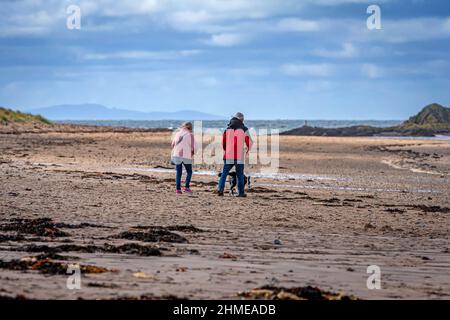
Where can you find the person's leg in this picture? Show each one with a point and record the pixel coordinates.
(188, 167)
(179, 168)
(223, 178)
(240, 178)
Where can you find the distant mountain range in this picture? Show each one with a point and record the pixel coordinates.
(99, 112)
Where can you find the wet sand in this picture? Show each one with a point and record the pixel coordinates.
(338, 206)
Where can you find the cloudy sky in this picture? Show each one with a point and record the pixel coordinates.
(267, 58)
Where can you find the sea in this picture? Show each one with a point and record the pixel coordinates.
(282, 125)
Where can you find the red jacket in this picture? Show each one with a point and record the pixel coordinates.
(235, 139)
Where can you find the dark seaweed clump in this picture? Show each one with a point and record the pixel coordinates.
(296, 293)
(46, 266)
(128, 248)
(43, 227)
(155, 234)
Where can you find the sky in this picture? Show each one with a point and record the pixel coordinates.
(270, 59)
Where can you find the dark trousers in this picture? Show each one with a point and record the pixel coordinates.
(179, 168)
(239, 176)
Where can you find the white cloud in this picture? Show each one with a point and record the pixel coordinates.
(371, 71)
(141, 55)
(314, 70)
(298, 25)
(404, 30)
(226, 39)
(348, 50)
(35, 22)
(198, 15)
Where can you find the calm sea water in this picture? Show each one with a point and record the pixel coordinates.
(282, 125)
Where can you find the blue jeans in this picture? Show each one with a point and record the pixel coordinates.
(179, 168)
(239, 176)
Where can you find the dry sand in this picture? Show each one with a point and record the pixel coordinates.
(353, 202)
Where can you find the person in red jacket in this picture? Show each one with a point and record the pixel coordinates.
(235, 140)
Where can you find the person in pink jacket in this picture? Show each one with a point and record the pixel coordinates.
(183, 149)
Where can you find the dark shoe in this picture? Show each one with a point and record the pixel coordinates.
(242, 195)
(220, 193)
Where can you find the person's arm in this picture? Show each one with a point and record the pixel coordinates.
(173, 144)
(224, 140)
(248, 141)
(176, 138)
(193, 146)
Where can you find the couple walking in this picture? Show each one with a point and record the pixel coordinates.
(236, 143)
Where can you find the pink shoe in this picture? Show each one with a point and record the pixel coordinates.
(188, 191)
(179, 192)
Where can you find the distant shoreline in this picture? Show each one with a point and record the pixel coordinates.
(282, 125)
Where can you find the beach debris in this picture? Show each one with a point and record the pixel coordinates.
(81, 225)
(154, 234)
(261, 190)
(296, 293)
(227, 255)
(185, 228)
(430, 209)
(181, 269)
(189, 228)
(369, 226)
(387, 228)
(128, 248)
(395, 210)
(44, 227)
(13, 297)
(102, 285)
(54, 256)
(163, 167)
(46, 266)
(277, 242)
(143, 275)
(58, 249)
(147, 297)
(132, 248)
(7, 237)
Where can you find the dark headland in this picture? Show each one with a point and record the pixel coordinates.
(433, 120)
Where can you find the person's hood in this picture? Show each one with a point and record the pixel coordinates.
(183, 131)
(236, 123)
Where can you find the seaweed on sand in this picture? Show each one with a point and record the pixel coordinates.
(46, 266)
(128, 248)
(40, 227)
(6, 237)
(188, 228)
(154, 234)
(296, 293)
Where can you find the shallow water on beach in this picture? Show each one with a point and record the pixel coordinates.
(317, 187)
(435, 138)
(293, 177)
(274, 176)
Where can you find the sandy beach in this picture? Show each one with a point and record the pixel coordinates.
(337, 206)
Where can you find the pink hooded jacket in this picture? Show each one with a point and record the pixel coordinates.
(183, 146)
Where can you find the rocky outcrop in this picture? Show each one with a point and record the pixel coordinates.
(432, 120)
